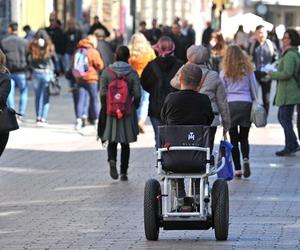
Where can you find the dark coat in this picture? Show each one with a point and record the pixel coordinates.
(181, 46)
(4, 88)
(58, 38)
(187, 107)
(124, 130)
(157, 84)
(99, 25)
(72, 39)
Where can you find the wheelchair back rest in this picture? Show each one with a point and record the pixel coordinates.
(187, 161)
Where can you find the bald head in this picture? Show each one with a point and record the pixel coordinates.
(190, 76)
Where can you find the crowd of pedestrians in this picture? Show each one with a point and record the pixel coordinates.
(151, 64)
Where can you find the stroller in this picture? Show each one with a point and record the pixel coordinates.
(184, 153)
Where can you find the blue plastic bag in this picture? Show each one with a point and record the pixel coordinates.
(227, 171)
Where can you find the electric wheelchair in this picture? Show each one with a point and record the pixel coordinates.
(184, 159)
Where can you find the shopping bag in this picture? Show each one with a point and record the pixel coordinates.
(225, 150)
(258, 115)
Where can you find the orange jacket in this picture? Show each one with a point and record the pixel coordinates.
(140, 62)
(95, 61)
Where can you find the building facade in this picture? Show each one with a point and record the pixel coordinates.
(278, 12)
(31, 12)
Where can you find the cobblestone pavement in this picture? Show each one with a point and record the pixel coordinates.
(56, 192)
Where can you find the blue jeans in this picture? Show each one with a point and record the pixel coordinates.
(92, 90)
(285, 117)
(75, 95)
(18, 80)
(142, 111)
(155, 123)
(67, 58)
(41, 82)
(59, 63)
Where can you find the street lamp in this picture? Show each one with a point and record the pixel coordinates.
(132, 13)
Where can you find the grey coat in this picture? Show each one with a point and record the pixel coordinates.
(123, 130)
(214, 89)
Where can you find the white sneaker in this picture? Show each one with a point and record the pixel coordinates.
(42, 123)
(78, 124)
(95, 124)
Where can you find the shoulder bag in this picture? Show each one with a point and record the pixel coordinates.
(8, 120)
(258, 112)
(54, 87)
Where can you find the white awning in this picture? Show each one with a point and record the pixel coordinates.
(248, 20)
(280, 2)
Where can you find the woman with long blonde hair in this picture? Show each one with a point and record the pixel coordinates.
(141, 53)
(4, 92)
(239, 81)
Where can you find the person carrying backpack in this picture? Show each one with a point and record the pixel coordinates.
(156, 79)
(86, 63)
(120, 94)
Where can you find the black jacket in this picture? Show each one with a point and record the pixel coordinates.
(72, 38)
(99, 25)
(187, 107)
(156, 79)
(14, 47)
(4, 89)
(58, 38)
(181, 46)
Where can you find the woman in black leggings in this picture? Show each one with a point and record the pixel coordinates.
(4, 92)
(239, 135)
(241, 88)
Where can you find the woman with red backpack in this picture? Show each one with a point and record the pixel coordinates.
(120, 106)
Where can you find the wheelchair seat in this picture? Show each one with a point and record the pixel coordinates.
(184, 161)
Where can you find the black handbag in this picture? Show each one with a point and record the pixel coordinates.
(8, 120)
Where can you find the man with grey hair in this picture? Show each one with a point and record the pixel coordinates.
(187, 106)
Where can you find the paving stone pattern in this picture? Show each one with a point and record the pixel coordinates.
(56, 192)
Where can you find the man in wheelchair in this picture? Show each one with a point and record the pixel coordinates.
(187, 107)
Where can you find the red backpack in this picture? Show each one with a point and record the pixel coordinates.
(118, 98)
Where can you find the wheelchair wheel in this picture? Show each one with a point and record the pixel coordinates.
(220, 209)
(151, 209)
